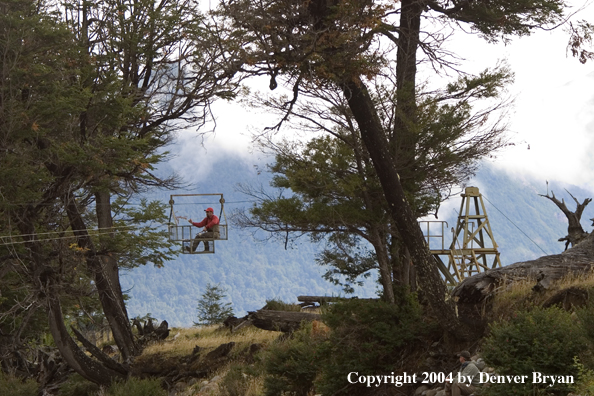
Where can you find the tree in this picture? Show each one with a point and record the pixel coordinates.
(575, 232)
(333, 44)
(335, 190)
(36, 97)
(90, 96)
(580, 40)
(211, 310)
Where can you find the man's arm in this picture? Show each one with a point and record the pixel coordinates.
(201, 224)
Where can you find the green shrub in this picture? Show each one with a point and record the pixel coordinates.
(13, 386)
(292, 365)
(369, 337)
(239, 379)
(76, 385)
(584, 385)
(586, 316)
(278, 305)
(137, 387)
(541, 340)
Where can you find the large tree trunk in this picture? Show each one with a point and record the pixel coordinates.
(104, 266)
(110, 290)
(405, 134)
(404, 137)
(71, 353)
(377, 144)
(474, 293)
(105, 271)
(384, 265)
(376, 237)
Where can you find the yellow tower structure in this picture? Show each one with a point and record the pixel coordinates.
(473, 248)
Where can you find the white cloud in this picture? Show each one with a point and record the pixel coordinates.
(554, 104)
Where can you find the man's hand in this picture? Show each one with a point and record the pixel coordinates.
(190, 221)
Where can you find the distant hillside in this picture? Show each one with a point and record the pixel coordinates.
(252, 271)
(256, 271)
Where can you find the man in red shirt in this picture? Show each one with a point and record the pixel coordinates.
(210, 231)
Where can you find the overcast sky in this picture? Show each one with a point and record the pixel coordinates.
(553, 113)
(554, 105)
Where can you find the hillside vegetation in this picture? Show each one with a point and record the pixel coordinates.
(548, 332)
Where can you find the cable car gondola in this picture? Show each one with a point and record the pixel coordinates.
(185, 207)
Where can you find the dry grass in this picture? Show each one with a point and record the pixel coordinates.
(515, 296)
(248, 385)
(278, 305)
(181, 342)
(585, 281)
(512, 297)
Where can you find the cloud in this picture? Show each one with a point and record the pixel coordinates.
(556, 128)
(553, 120)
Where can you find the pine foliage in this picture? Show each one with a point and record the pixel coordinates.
(211, 309)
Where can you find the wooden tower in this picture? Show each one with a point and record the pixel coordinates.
(473, 249)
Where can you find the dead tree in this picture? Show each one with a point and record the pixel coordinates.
(147, 330)
(575, 232)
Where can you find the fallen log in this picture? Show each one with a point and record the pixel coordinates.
(473, 293)
(285, 321)
(235, 324)
(321, 300)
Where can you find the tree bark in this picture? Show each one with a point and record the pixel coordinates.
(72, 354)
(404, 134)
(384, 265)
(104, 270)
(377, 144)
(110, 292)
(375, 235)
(98, 354)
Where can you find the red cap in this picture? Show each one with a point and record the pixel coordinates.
(209, 210)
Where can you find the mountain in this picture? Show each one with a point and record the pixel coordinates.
(252, 270)
(524, 225)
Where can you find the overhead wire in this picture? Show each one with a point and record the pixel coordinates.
(212, 203)
(128, 227)
(515, 225)
(93, 232)
(9, 239)
(181, 203)
(4, 238)
(68, 230)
